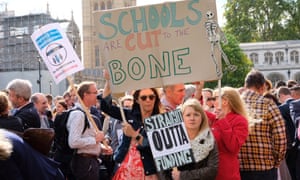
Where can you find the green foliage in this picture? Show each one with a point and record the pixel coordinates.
(259, 20)
(292, 21)
(236, 57)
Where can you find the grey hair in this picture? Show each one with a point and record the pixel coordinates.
(21, 87)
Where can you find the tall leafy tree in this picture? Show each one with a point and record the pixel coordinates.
(256, 20)
(236, 57)
(293, 21)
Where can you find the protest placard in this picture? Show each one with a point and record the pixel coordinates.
(60, 58)
(56, 51)
(156, 45)
(168, 140)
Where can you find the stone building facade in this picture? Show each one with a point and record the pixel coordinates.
(277, 60)
(91, 53)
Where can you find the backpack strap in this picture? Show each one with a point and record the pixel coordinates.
(86, 121)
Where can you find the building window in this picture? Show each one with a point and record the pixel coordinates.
(294, 57)
(279, 57)
(268, 58)
(109, 5)
(95, 6)
(275, 77)
(254, 58)
(297, 77)
(97, 56)
(102, 5)
(127, 3)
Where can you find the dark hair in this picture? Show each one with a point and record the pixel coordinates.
(272, 97)
(291, 83)
(279, 84)
(66, 94)
(283, 90)
(63, 103)
(157, 105)
(254, 79)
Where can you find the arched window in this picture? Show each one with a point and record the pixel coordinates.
(279, 57)
(127, 3)
(109, 4)
(275, 77)
(254, 58)
(102, 5)
(268, 58)
(294, 57)
(297, 77)
(95, 6)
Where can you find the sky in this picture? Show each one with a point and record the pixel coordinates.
(62, 9)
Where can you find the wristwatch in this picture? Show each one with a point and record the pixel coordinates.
(138, 137)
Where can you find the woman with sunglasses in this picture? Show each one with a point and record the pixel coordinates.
(134, 142)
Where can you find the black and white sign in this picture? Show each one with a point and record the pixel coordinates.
(168, 140)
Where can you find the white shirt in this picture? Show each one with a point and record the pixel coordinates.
(83, 142)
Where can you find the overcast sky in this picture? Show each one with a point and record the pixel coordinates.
(63, 8)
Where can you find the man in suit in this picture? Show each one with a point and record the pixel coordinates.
(285, 98)
(41, 105)
(19, 92)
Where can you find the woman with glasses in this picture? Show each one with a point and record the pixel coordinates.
(133, 155)
(230, 131)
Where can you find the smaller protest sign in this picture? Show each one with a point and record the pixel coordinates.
(168, 140)
(56, 51)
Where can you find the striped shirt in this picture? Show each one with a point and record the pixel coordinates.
(266, 144)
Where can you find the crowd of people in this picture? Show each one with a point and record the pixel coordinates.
(248, 133)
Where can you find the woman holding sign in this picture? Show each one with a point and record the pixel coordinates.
(230, 131)
(203, 145)
(133, 154)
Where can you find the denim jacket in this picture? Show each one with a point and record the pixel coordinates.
(134, 118)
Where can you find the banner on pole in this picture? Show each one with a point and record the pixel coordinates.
(156, 45)
(56, 51)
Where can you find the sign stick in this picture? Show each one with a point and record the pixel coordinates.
(220, 91)
(87, 112)
(122, 113)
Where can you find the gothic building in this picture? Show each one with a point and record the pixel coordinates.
(91, 53)
(18, 56)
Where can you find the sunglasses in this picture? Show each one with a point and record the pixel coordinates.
(151, 97)
(211, 99)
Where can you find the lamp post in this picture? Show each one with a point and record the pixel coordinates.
(287, 53)
(39, 81)
(50, 88)
(289, 74)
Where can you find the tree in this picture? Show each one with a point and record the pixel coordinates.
(292, 22)
(236, 57)
(257, 20)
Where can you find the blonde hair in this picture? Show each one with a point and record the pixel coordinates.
(5, 146)
(235, 101)
(195, 104)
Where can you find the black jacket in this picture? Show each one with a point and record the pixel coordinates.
(29, 116)
(135, 119)
(11, 123)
